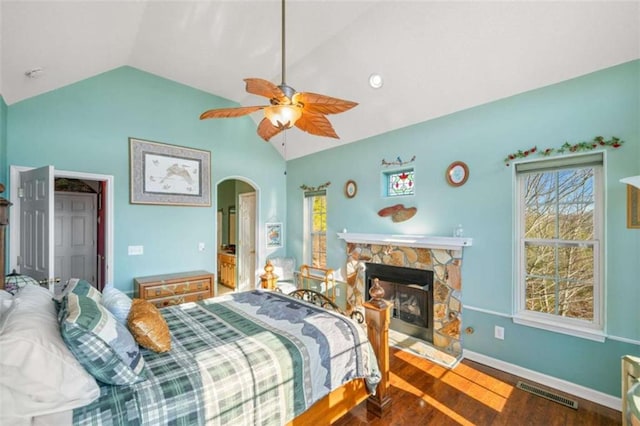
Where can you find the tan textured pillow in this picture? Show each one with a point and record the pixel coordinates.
(148, 326)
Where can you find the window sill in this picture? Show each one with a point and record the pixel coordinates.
(571, 330)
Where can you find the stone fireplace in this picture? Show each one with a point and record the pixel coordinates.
(440, 255)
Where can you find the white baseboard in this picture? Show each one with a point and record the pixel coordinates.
(601, 398)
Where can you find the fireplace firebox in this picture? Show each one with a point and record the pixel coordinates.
(411, 293)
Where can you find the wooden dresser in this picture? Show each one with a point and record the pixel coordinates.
(227, 269)
(173, 289)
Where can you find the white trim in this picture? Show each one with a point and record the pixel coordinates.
(486, 311)
(623, 339)
(406, 240)
(572, 330)
(14, 231)
(510, 316)
(261, 254)
(592, 330)
(583, 392)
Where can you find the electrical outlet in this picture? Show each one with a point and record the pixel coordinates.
(200, 246)
(337, 291)
(499, 332)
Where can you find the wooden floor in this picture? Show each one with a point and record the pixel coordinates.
(425, 393)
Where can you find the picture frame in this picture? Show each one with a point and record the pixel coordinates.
(633, 207)
(457, 173)
(165, 174)
(273, 234)
(350, 189)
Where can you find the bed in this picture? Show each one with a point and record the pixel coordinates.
(257, 357)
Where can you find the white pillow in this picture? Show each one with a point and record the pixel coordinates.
(116, 302)
(36, 367)
(6, 303)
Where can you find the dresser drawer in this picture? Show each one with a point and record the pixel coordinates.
(173, 289)
(178, 299)
(166, 290)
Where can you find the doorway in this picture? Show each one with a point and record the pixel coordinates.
(236, 235)
(64, 226)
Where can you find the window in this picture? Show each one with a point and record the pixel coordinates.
(559, 229)
(399, 183)
(315, 248)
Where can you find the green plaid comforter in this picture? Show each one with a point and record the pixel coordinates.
(251, 358)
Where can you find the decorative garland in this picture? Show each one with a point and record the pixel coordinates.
(597, 142)
(398, 162)
(313, 188)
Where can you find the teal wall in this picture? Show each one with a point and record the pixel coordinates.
(85, 127)
(3, 142)
(603, 103)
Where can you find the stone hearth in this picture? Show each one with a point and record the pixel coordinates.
(441, 255)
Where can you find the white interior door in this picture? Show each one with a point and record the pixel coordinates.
(246, 253)
(36, 223)
(75, 236)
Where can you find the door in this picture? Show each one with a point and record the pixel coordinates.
(246, 253)
(36, 224)
(75, 236)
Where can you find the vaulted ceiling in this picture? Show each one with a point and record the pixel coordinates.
(436, 57)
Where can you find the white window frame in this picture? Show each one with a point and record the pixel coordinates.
(595, 329)
(307, 249)
(386, 178)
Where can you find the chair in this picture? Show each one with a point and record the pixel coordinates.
(630, 390)
(318, 279)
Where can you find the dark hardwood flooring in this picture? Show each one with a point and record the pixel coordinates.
(425, 393)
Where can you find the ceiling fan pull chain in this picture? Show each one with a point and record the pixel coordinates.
(282, 34)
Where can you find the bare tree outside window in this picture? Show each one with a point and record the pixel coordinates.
(559, 242)
(318, 230)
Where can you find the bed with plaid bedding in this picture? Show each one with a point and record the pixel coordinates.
(251, 358)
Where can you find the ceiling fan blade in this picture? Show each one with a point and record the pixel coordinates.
(316, 124)
(266, 130)
(229, 112)
(322, 104)
(260, 87)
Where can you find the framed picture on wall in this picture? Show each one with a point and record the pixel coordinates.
(274, 235)
(169, 174)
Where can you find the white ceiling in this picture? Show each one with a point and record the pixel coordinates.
(436, 57)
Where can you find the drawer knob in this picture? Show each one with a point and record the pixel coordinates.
(158, 291)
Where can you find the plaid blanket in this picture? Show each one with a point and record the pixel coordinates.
(251, 358)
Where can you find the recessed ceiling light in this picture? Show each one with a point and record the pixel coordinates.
(34, 73)
(375, 81)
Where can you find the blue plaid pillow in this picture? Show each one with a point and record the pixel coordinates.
(103, 346)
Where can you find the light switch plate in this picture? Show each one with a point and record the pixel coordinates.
(135, 250)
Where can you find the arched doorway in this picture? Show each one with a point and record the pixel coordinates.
(236, 235)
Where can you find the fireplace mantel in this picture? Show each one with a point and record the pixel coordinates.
(422, 241)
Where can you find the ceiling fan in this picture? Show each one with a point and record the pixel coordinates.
(307, 111)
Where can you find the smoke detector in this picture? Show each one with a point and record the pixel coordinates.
(34, 72)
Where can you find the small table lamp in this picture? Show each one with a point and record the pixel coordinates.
(15, 281)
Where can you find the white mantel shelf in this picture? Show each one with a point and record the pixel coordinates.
(423, 241)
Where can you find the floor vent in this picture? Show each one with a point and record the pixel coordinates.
(548, 395)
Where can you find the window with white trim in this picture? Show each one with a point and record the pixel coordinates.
(399, 183)
(559, 227)
(315, 226)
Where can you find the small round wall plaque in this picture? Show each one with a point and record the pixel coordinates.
(457, 173)
(350, 189)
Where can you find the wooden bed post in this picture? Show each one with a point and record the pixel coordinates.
(377, 317)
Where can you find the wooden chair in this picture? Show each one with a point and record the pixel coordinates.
(630, 376)
(318, 279)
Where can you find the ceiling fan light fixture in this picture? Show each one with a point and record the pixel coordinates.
(283, 116)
